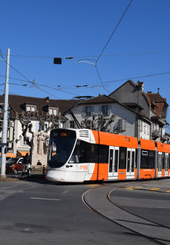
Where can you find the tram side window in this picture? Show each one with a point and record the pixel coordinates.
(116, 161)
(81, 153)
(85, 152)
(159, 162)
(94, 153)
(147, 159)
(133, 161)
(163, 160)
(122, 158)
(151, 159)
(166, 162)
(103, 153)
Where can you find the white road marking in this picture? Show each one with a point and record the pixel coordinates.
(65, 192)
(45, 199)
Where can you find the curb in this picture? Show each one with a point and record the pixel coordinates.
(9, 179)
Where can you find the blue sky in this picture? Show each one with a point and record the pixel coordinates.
(35, 31)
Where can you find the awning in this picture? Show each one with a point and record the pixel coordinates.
(22, 153)
(9, 154)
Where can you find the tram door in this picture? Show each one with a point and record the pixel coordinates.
(166, 163)
(113, 162)
(130, 163)
(160, 158)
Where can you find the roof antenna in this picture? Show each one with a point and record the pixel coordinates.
(158, 90)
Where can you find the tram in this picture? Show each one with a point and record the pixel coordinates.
(79, 155)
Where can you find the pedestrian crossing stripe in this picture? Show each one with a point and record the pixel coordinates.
(154, 189)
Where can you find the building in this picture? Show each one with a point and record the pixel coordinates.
(28, 116)
(107, 114)
(127, 111)
(150, 105)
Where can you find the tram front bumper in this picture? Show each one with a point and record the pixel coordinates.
(55, 176)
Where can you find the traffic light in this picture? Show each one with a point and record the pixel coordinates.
(57, 61)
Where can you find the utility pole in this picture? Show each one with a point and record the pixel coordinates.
(5, 121)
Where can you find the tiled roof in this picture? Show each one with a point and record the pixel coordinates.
(156, 102)
(151, 98)
(101, 99)
(16, 101)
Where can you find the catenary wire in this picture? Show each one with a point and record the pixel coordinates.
(90, 85)
(85, 56)
(108, 42)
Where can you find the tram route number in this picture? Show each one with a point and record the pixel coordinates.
(83, 167)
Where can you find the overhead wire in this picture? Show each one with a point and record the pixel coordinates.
(85, 56)
(39, 85)
(27, 80)
(90, 85)
(108, 42)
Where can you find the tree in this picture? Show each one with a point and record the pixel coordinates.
(97, 122)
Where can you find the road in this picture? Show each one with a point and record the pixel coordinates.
(39, 212)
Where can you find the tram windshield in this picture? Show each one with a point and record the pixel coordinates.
(60, 147)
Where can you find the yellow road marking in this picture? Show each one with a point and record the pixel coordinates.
(93, 185)
(129, 188)
(154, 189)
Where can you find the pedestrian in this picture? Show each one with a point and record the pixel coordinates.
(39, 163)
(26, 163)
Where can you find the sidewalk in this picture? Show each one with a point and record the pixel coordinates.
(36, 174)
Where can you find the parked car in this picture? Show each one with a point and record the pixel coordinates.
(14, 165)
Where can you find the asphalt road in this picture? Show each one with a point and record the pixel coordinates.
(38, 212)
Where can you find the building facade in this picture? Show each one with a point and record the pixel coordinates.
(127, 111)
(106, 114)
(150, 105)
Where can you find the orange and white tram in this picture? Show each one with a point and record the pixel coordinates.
(163, 160)
(78, 155)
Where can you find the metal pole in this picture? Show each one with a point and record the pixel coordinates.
(5, 121)
(138, 160)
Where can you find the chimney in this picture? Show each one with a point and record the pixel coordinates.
(140, 85)
(47, 100)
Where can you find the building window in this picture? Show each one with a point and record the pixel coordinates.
(88, 110)
(140, 126)
(105, 110)
(22, 142)
(1, 108)
(55, 112)
(28, 108)
(71, 124)
(37, 127)
(145, 128)
(32, 108)
(50, 111)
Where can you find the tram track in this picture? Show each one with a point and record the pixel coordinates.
(139, 216)
(119, 220)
